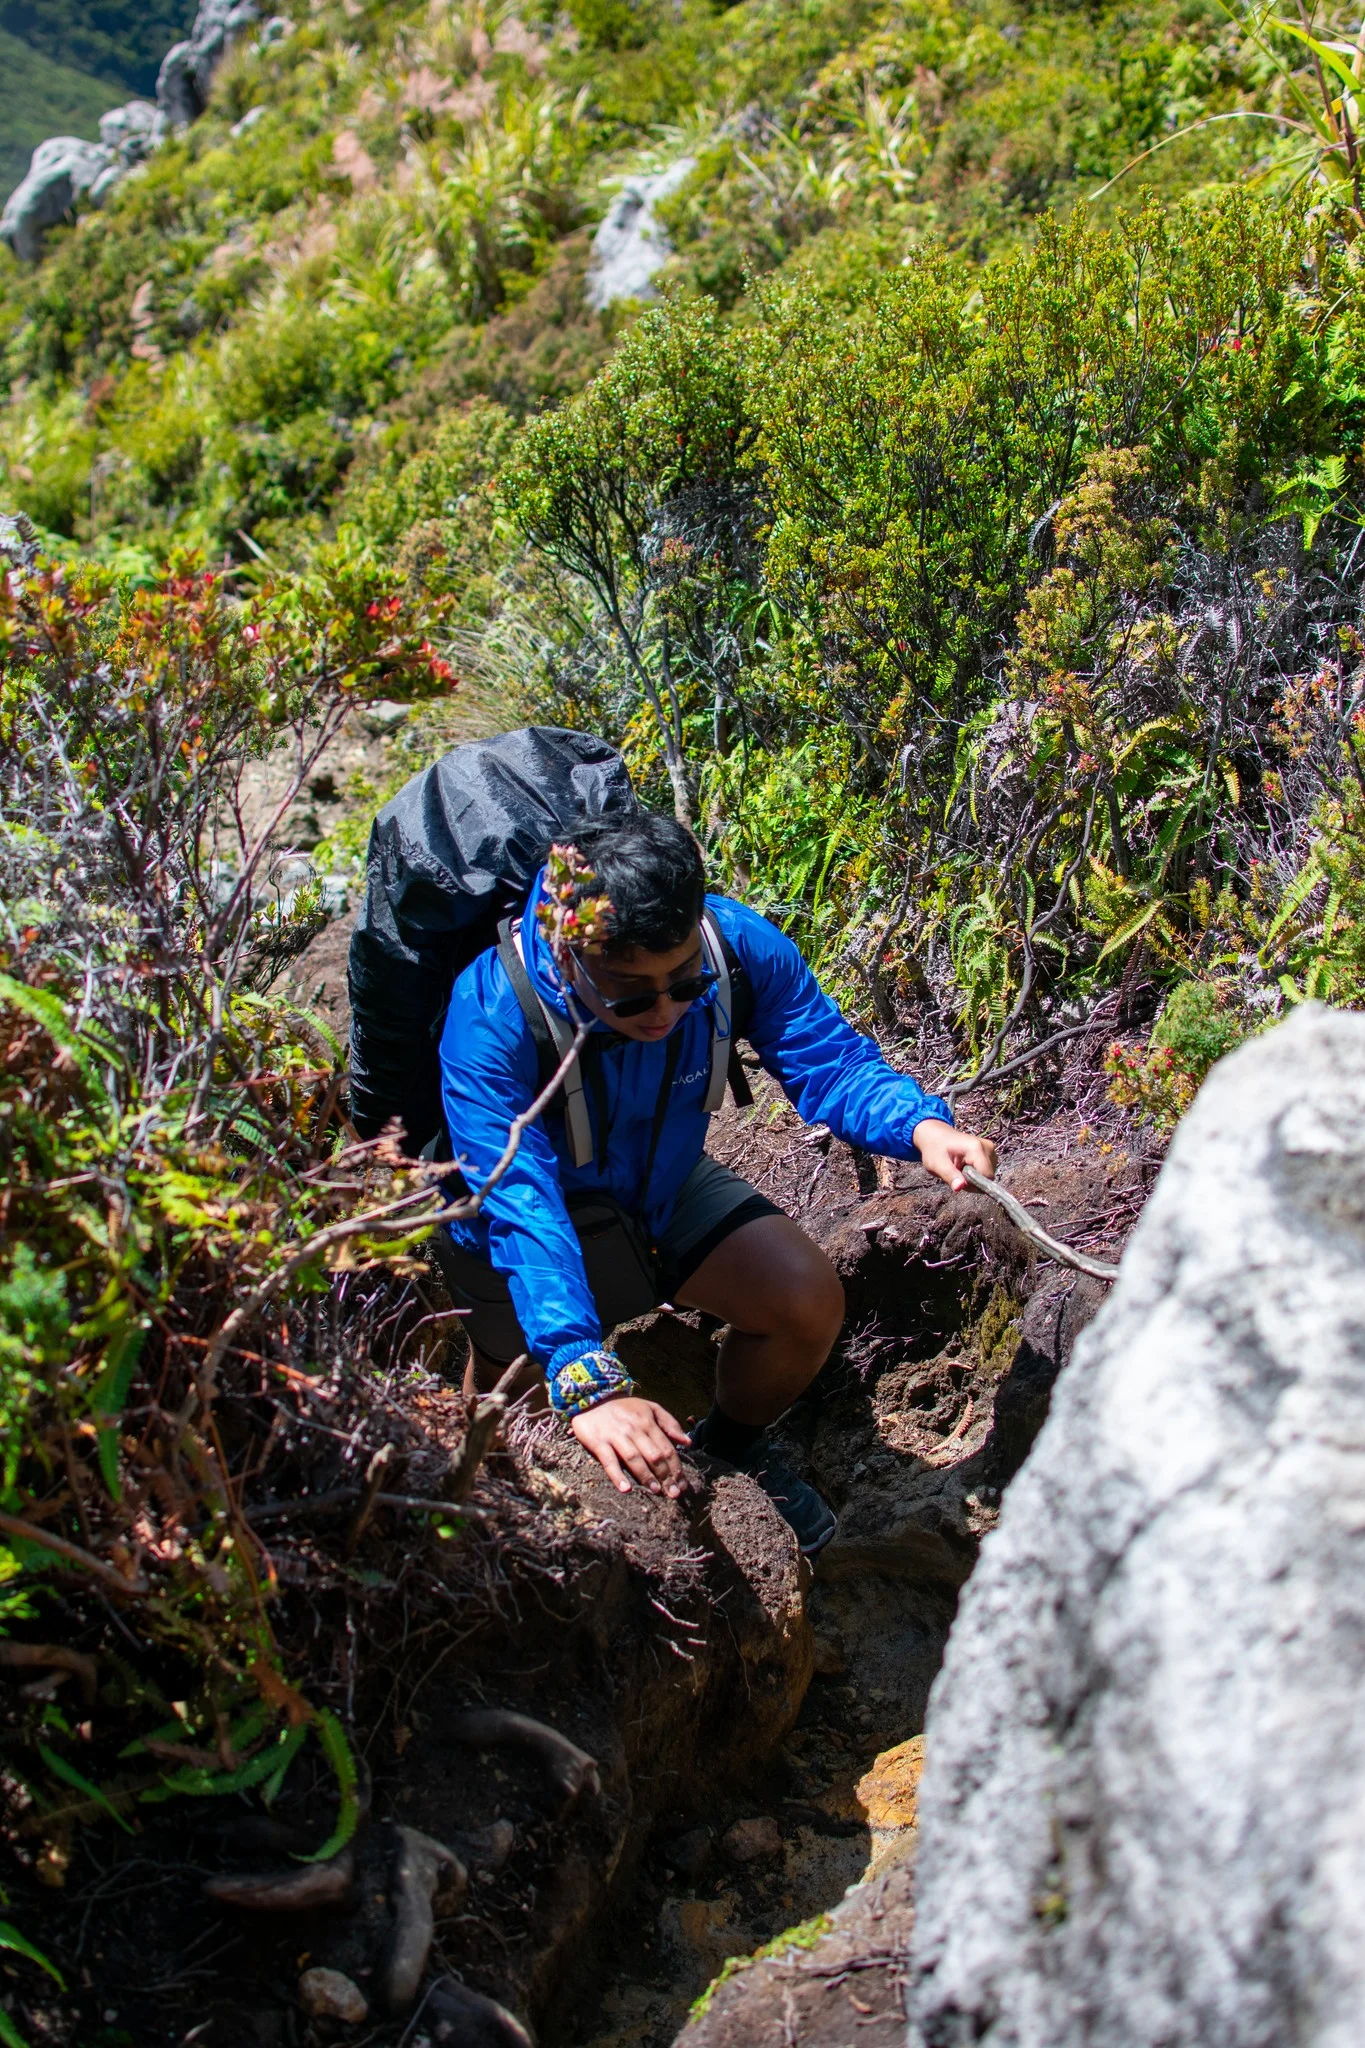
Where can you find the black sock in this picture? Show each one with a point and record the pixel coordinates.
(722, 1437)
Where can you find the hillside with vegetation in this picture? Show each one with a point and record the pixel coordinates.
(63, 63)
(39, 96)
(968, 544)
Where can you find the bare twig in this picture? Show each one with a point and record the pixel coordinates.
(112, 1580)
(483, 1428)
(322, 1504)
(957, 1089)
(1034, 1231)
(375, 1476)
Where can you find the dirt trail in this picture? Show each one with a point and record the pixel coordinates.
(756, 1732)
(955, 1333)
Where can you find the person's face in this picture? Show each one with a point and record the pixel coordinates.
(600, 979)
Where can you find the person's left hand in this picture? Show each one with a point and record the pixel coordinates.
(945, 1152)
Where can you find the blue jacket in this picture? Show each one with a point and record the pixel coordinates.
(830, 1073)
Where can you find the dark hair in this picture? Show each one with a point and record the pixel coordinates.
(652, 870)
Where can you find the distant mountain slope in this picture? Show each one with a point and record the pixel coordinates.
(119, 40)
(39, 98)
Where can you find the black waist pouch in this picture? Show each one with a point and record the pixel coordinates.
(623, 1268)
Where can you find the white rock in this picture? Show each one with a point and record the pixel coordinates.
(1142, 1818)
(63, 169)
(133, 130)
(186, 75)
(177, 89)
(630, 246)
(384, 717)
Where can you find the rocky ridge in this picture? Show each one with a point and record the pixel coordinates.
(66, 169)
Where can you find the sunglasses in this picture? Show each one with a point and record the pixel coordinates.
(689, 990)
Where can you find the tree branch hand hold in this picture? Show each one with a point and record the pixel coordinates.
(1052, 1247)
(483, 1428)
(52, 1657)
(112, 1581)
(570, 1770)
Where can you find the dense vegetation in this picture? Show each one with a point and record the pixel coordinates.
(975, 562)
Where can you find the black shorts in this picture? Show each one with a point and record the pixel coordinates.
(628, 1275)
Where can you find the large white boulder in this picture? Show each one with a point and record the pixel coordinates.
(133, 131)
(63, 169)
(186, 75)
(631, 247)
(1142, 1819)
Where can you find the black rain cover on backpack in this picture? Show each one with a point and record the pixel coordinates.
(453, 853)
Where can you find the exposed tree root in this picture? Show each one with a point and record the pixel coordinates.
(570, 1769)
(421, 1866)
(287, 1891)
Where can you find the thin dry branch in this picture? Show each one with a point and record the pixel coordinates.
(391, 1216)
(483, 1428)
(112, 1580)
(1034, 1231)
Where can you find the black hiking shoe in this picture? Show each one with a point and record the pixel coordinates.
(806, 1513)
(804, 1510)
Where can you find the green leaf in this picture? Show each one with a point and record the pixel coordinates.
(1326, 53)
(69, 1775)
(1302, 887)
(10, 1937)
(1129, 930)
(339, 1755)
(287, 1751)
(47, 1010)
(110, 1393)
(9, 2033)
(191, 1782)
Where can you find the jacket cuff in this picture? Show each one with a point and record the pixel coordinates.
(933, 1108)
(578, 1379)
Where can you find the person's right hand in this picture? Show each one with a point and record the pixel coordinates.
(635, 1436)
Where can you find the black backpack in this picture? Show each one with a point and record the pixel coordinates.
(450, 860)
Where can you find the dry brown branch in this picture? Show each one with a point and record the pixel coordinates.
(483, 1427)
(1034, 1231)
(113, 1581)
(52, 1657)
(375, 1476)
(394, 1216)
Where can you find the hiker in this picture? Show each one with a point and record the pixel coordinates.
(611, 1205)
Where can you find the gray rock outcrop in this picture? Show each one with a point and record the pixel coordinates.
(132, 131)
(631, 247)
(63, 170)
(1142, 1819)
(186, 75)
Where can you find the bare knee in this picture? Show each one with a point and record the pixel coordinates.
(812, 1311)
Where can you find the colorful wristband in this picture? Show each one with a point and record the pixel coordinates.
(582, 1382)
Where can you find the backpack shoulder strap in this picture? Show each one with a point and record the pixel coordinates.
(731, 1013)
(552, 1036)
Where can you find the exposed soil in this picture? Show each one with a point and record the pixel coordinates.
(955, 1333)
